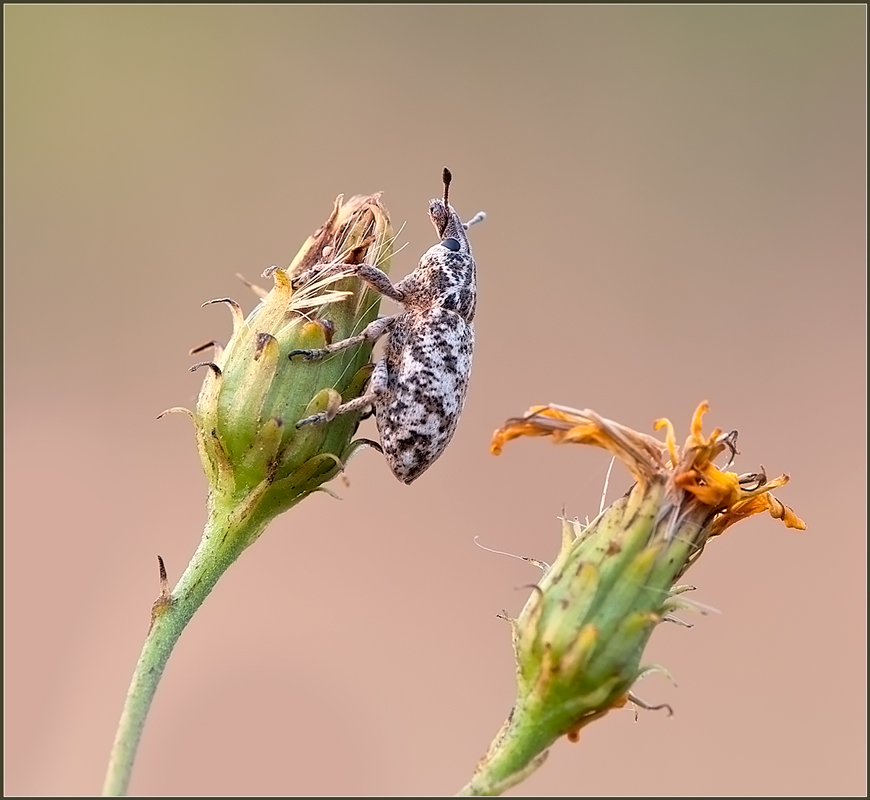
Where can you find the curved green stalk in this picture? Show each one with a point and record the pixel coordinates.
(225, 536)
(516, 752)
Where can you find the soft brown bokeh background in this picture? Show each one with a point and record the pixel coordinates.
(676, 201)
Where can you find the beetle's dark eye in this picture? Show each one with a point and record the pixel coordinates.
(451, 244)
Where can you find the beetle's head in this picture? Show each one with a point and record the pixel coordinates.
(447, 222)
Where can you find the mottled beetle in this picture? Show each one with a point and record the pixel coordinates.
(418, 388)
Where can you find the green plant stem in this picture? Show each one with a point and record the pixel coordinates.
(227, 533)
(516, 752)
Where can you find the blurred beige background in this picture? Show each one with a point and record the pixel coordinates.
(676, 201)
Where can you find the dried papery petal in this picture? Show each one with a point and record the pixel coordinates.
(691, 469)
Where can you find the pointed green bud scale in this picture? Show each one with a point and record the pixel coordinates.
(309, 440)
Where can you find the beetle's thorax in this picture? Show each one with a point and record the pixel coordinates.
(443, 279)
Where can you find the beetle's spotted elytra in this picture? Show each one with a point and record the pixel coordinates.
(417, 389)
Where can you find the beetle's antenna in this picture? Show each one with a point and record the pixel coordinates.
(480, 216)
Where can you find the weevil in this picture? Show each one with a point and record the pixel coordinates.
(417, 389)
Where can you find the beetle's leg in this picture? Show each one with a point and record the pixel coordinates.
(374, 277)
(345, 408)
(371, 333)
(318, 271)
(380, 282)
(377, 383)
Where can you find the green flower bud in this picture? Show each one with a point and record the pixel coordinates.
(255, 459)
(580, 637)
(257, 462)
